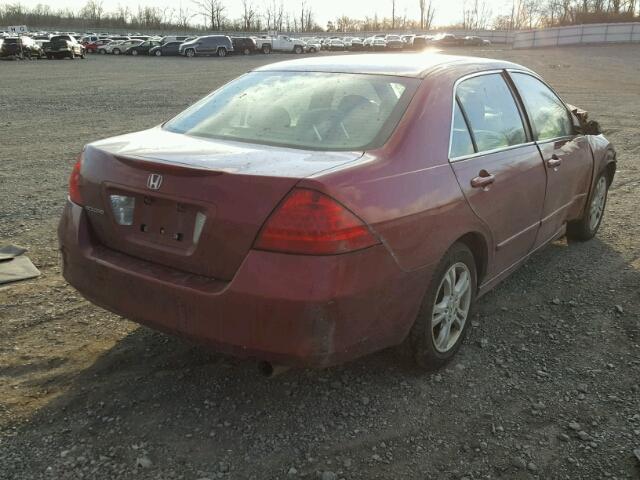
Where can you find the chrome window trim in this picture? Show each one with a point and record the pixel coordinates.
(537, 77)
(488, 152)
(453, 107)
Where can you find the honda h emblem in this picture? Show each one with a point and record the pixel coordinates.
(154, 181)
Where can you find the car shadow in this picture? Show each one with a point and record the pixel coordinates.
(190, 410)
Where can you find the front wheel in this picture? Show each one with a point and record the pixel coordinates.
(298, 49)
(190, 53)
(102, 51)
(134, 52)
(158, 53)
(247, 51)
(266, 49)
(441, 324)
(586, 227)
(116, 51)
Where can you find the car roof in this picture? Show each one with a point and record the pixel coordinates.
(416, 65)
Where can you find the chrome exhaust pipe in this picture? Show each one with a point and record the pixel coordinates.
(270, 370)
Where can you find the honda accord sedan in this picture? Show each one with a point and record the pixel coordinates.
(314, 211)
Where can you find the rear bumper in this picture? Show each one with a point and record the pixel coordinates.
(289, 309)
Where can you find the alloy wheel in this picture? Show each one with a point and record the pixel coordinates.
(597, 203)
(451, 307)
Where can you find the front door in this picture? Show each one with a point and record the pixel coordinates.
(499, 169)
(567, 157)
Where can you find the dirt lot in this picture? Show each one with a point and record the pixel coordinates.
(547, 385)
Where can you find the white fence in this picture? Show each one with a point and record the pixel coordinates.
(579, 34)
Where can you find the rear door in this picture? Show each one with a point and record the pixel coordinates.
(497, 165)
(567, 157)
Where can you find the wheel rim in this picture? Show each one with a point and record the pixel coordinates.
(135, 52)
(189, 53)
(451, 307)
(597, 204)
(158, 53)
(222, 52)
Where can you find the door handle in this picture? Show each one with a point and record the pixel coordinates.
(483, 180)
(554, 161)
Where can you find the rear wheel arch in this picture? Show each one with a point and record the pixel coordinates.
(476, 242)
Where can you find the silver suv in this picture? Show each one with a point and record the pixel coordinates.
(219, 45)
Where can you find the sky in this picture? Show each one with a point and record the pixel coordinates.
(447, 11)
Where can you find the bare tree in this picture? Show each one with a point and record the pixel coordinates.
(427, 12)
(248, 14)
(212, 11)
(393, 14)
(182, 17)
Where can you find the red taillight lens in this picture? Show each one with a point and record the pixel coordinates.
(311, 223)
(74, 182)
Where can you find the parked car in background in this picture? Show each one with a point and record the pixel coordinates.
(166, 49)
(356, 44)
(336, 44)
(41, 39)
(142, 48)
(120, 48)
(244, 45)
(378, 43)
(272, 228)
(20, 48)
(280, 43)
(63, 46)
(107, 48)
(474, 41)
(92, 47)
(394, 42)
(420, 42)
(219, 45)
(446, 40)
(119, 38)
(312, 45)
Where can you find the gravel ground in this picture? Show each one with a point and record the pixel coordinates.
(547, 385)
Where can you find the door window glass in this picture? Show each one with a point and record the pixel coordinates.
(493, 116)
(548, 115)
(461, 143)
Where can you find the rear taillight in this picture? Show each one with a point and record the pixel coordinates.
(74, 182)
(311, 223)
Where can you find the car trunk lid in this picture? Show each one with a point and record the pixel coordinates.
(199, 203)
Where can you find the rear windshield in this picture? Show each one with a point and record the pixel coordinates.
(309, 110)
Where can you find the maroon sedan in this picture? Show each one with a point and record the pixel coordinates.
(316, 210)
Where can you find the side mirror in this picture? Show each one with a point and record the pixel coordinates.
(584, 126)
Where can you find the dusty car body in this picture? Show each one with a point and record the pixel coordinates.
(327, 248)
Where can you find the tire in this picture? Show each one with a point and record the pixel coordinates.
(116, 51)
(312, 50)
(72, 55)
(102, 51)
(83, 55)
(586, 227)
(222, 52)
(158, 53)
(298, 49)
(49, 57)
(134, 52)
(266, 49)
(190, 52)
(434, 344)
(246, 51)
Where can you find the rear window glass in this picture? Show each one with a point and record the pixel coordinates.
(310, 110)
